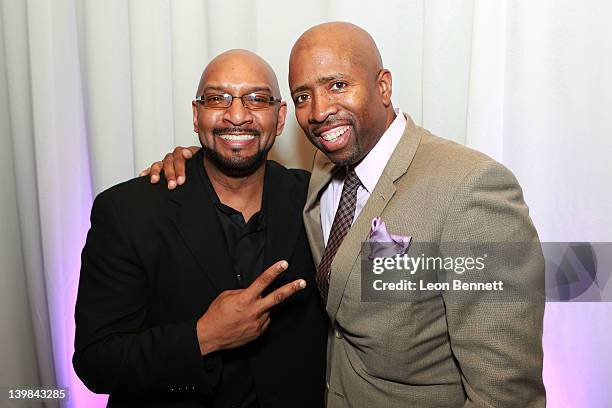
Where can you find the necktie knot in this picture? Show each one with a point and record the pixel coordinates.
(351, 182)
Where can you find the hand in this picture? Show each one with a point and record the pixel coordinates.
(237, 317)
(173, 165)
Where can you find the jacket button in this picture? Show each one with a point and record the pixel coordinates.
(338, 333)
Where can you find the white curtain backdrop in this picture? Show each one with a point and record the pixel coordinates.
(92, 91)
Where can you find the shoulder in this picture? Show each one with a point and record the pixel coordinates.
(290, 176)
(133, 197)
(140, 190)
(302, 176)
(139, 186)
(453, 162)
(450, 153)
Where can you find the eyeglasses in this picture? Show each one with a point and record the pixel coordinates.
(252, 101)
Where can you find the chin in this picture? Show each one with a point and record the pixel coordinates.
(237, 165)
(340, 158)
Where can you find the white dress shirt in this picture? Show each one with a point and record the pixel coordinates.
(368, 171)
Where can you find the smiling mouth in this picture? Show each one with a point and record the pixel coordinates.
(335, 133)
(236, 137)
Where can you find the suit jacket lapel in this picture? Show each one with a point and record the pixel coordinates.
(194, 215)
(322, 172)
(283, 206)
(383, 192)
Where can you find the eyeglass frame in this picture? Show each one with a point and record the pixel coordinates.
(271, 101)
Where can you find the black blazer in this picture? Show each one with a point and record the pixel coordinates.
(153, 262)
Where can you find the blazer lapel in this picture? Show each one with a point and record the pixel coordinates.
(195, 217)
(383, 192)
(283, 214)
(322, 173)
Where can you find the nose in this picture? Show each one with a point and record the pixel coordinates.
(237, 114)
(322, 106)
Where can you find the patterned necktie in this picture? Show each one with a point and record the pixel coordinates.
(340, 227)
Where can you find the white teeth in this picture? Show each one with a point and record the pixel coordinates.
(333, 134)
(237, 137)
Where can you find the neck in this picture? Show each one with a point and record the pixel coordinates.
(389, 118)
(243, 193)
(391, 115)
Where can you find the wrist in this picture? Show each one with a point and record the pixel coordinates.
(205, 341)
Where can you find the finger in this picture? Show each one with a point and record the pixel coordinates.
(179, 164)
(265, 279)
(265, 324)
(261, 320)
(154, 171)
(188, 152)
(168, 164)
(192, 150)
(281, 294)
(144, 172)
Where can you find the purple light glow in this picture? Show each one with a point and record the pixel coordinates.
(577, 358)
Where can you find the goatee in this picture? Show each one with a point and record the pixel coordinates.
(236, 166)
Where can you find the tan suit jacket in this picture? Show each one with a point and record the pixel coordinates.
(446, 351)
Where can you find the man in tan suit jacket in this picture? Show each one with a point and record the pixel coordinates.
(448, 349)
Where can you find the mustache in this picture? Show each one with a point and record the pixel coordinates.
(220, 131)
(331, 122)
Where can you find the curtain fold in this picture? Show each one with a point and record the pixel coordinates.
(21, 242)
(104, 39)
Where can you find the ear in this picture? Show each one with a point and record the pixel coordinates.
(385, 85)
(282, 114)
(194, 108)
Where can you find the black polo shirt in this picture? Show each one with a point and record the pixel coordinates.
(245, 243)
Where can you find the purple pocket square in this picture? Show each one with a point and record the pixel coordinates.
(385, 245)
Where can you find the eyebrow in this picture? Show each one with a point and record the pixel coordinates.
(322, 80)
(221, 88)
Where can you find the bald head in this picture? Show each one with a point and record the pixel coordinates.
(237, 135)
(236, 65)
(345, 40)
(341, 91)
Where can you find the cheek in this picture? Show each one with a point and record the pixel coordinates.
(360, 105)
(206, 123)
(266, 122)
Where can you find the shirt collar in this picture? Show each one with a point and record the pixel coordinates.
(372, 166)
(257, 218)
